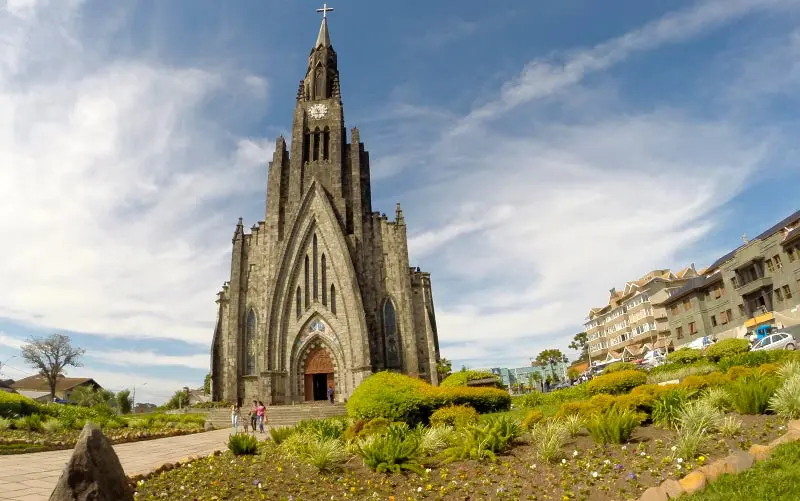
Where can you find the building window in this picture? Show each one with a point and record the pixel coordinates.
(392, 345)
(778, 294)
(298, 301)
(787, 292)
(777, 260)
(250, 343)
(315, 146)
(306, 147)
(315, 294)
(679, 332)
(713, 321)
(333, 299)
(687, 304)
(324, 280)
(307, 284)
(692, 328)
(728, 316)
(326, 140)
(792, 256)
(770, 266)
(741, 310)
(735, 282)
(674, 309)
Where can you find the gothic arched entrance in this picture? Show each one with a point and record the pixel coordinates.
(318, 374)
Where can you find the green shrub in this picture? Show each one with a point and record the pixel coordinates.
(619, 366)
(325, 454)
(402, 398)
(689, 442)
(461, 378)
(241, 444)
(457, 416)
(5, 423)
(536, 399)
(684, 356)
(323, 428)
(617, 382)
(573, 424)
(757, 358)
(751, 394)
(391, 452)
(531, 419)
(730, 426)
(14, 405)
(789, 369)
(727, 348)
(52, 426)
(435, 439)
(529, 400)
(613, 426)
(666, 408)
(701, 415)
(485, 441)
(786, 400)
(548, 438)
(280, 433)
(374, 426)
(719, 398)
(702, 382)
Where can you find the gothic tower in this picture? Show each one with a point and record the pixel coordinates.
(321, 294)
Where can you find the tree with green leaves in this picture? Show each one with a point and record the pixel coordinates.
(124, 401)
(86, 396)
(573, 373)
(553, 354)
(179, 400)
(581, 343)
(207, 384)
(538, 378)
(50, 355)
(444, 367)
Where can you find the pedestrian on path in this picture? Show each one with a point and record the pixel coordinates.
(261, 412)
(330, 393)
(235, 417)
(254, 415)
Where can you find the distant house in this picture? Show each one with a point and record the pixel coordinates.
(488, 382)
(36, 387)
(144, 407)
(197, 396)
(5, 385)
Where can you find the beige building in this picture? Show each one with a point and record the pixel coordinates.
(755, 285)
(321, 293)
(634, 321)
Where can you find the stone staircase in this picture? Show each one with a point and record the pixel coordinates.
(282, 415)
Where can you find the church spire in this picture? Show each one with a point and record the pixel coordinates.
(324, 39)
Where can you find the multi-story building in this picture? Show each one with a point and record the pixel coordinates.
(755, 285)
(521, 375)
(634, 321)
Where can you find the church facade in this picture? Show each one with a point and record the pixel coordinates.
(321, 293)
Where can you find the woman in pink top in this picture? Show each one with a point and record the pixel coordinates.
(261, 414)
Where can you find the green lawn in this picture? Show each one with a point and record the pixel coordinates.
(776, 479)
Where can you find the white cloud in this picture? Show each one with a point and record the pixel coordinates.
(112, 182)
(150, 359)
(9, 341)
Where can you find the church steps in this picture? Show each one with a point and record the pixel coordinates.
(282, 415)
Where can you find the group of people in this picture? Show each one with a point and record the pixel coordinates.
(256, 417)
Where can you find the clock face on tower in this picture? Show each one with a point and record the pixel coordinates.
(317, 111)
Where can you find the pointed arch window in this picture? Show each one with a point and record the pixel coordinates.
(306, 146)
(316, 270)
(324, 267)
(319, 83)
(250, 343)
(308, 285)
(298, 301)
(333, 299)
(326, 143)
(392, 344)
(316, 145)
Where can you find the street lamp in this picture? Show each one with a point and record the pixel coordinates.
(133, 399)
(6, 363)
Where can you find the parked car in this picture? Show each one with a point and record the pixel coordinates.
(776, 341)
(653, 359)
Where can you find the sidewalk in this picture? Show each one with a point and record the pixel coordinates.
(32, 477)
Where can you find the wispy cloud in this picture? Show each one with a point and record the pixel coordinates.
(150, 359)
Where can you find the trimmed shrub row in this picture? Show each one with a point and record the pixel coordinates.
(398, 397)
(461, 378)
(14, 404)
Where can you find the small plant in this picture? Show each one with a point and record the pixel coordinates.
(457, 416)
(52, 426)
(617, 382)
(701, 415)
(789, 369)
(5, 423)
(325, 454)
(485, 441)
(29, 423)
(719, 398)
(619, 366)
(391, 452)
(241, 444)
(786, 400)
(730, 426)
(613, 426)
(323, 428)
(435, 439)
(280, 433)
(751, 394)
(684, 356)
(531, 419)
(573, 424)
(667, 408)
(690, 440)
(548, 439)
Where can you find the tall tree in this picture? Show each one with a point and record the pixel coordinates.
(50, 355)
(580, 342)
(124, 401)
(444, 367)
(207, 384)
(553, 354)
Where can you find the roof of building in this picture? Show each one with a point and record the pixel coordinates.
(694, 284)
(38, 383)
(617, 297)
(34, 395)
(766, 234)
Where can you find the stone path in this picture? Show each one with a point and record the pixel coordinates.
(32, 477)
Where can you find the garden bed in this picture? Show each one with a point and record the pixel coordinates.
(587, 472)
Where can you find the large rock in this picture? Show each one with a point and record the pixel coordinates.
(93, 473)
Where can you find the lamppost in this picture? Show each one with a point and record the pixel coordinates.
(133, 399)
(6, 363)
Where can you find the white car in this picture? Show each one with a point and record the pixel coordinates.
(777, 341)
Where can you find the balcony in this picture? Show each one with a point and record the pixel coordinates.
(754, 286)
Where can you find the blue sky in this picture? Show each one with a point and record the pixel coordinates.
(543, 152)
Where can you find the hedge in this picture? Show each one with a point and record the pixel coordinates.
(535, 399)
(457, 416)
(619, 366)
(15, 405)
(727, 348)
(684, 356)
(398, 397)
(617, 382)
(461, 378)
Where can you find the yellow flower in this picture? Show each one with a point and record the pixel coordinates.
(428, 487)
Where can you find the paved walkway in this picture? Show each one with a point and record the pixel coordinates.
(32, 477)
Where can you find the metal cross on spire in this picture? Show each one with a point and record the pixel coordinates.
(325, 9)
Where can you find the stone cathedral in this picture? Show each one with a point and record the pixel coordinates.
(321, 293)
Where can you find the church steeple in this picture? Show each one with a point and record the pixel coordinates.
(322, 75)
(323, 39)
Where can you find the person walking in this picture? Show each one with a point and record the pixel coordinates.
(330, 393)
(261, 412)
(235, 418)
(254, 416)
